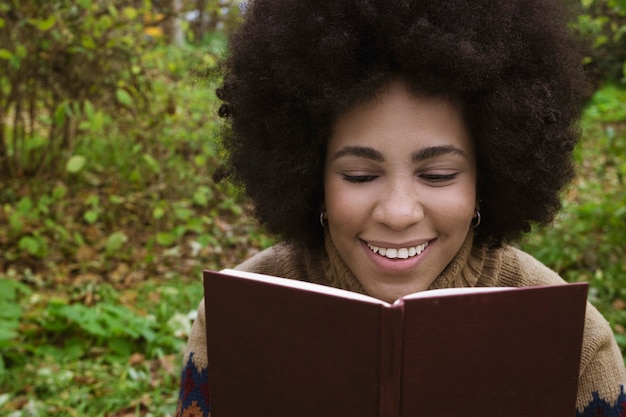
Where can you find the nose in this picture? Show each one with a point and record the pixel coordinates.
(400, 206)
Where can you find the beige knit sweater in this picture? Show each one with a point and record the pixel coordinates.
(602, 376)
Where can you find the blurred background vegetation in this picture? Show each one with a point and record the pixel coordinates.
(108, 140)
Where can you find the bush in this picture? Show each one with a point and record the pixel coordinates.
(604, 21)
(65, 65)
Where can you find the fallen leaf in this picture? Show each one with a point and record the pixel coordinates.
(119, 273)
(136, 359)
(619, 304)
(85, 253)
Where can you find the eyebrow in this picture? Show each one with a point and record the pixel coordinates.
(434, 151)
(417, 156)
(361, 152)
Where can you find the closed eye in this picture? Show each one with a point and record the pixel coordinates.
(359, 178)
(437, 178)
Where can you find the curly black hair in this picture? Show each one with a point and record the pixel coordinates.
(293, 66)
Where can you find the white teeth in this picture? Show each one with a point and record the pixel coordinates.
(402, 253)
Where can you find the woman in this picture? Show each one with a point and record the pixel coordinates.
(400, 146)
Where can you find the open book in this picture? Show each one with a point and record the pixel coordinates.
(286, 348)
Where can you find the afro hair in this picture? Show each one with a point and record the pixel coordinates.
(293, 66)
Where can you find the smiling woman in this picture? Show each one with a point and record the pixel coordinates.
(399, 178)
(425, 136)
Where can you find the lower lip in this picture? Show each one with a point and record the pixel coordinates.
(396, 265)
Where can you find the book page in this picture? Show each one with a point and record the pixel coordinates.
(304, 285)
(440, 292)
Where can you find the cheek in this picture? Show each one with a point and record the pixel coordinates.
(345, 206)
(455, 206)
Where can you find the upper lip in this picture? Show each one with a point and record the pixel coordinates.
(396, 245)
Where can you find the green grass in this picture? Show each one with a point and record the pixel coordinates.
(118, 352)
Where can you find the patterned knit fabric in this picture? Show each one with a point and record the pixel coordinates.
(602, 376)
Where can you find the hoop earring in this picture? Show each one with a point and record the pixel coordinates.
(322, 219)
(476, 220)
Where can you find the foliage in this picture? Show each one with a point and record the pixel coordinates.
(210, 16)
(10, 315)
(604, 21)
(192, 21)
(587, 241)
(67, 66)
(103, 263)
(111, 356)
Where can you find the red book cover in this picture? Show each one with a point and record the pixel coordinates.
(286, 348)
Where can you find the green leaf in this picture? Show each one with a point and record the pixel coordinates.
(200, 160)
(33, 245)
(7, 289)
(104, 23)
(25, 205)
(116, 199)
(10, 310)
(60, 114)
(202, 196)
(7, 334)
(166, 239)
(91, 216)
(158, 213)
(21, 51)
(45, 25)
(183, 213)
(115, 242)
(88, 109)
(75, 164)
(112, 11)
(120, 346)
(130, 13)
(88, 42)
(59, 192)
(124, 97)
(152, 163)
(6, 54)
(16, 222)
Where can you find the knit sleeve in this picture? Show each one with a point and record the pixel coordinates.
(193, 395)
(602, 378)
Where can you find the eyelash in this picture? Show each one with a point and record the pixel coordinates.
(359, 179)
(439, 177)
(433, 178)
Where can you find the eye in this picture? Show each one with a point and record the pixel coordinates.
(439, 178)
(358, 179)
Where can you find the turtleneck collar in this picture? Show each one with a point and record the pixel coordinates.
(463, 271)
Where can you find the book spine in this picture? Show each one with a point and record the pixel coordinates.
(392, 325)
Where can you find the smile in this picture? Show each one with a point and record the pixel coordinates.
(401, 253)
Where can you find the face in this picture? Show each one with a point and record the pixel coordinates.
(400, 189)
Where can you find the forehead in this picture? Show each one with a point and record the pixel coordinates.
(397, 118)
